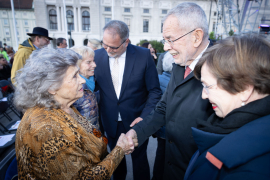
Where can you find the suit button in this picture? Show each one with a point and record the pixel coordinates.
(169, 163)
(116, 120)
(118, 104)
(170, 141)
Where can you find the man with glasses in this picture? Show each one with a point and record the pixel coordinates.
(39, 38)
(185, 33)
(129, 89)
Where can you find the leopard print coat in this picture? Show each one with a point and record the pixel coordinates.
(51, 144)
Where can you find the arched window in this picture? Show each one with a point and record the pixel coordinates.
(70, 19)
(86, 21)
(85, 42)
(71, 42)
(53, 19)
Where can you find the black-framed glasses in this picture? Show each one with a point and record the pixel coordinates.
(170, 42)
(114, 48)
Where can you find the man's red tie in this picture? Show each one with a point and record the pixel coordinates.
(187, 72)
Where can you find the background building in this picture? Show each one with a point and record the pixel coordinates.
(143, 17)
(24, 19)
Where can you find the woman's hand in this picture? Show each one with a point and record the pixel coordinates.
(126, 145)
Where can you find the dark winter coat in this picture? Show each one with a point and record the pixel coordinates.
(179, 108)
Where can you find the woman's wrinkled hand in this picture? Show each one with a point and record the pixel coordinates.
(125, 144)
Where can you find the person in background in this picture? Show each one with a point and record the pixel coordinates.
(39, 38)
(152, 51)
(87, 105)
(61, 43)
(160, 63)
(234, 141)
(6, 47)
(10, 56)
(164, 79)
(5, 72)
(181, 105)
(94, 44)
(53, 140)
(4, 53)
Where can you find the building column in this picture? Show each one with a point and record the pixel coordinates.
(58, 18)
(62, 19)
(75, 19)
(80, 19)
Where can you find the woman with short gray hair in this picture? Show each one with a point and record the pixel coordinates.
(53, 140)
(87, 105)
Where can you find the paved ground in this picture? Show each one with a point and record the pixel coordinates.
(151, 150)
(151, 154)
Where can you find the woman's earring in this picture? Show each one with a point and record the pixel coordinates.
(243, 103)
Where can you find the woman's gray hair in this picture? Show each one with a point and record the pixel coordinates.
(168, 60)
(118, 27)
(43, 71)
(190, 16)
(95, 43)
(83, 51)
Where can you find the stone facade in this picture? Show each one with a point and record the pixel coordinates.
(135, 13)
(25, 22)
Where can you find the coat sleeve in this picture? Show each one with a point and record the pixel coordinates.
(60, 155)
(152, 85)
(18, 63)
(153, 122)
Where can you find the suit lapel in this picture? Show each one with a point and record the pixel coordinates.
(130, 59)
(179, 75)
(107, 72)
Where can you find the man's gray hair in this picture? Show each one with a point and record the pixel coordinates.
(190, 16)
(168, 60)
(117, 27)
(43, 71)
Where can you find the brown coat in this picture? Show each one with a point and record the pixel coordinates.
(50, 144)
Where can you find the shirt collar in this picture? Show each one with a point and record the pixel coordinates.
(193, 64)
(123, 56)
(36, 47)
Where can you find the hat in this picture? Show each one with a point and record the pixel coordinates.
(39, 31)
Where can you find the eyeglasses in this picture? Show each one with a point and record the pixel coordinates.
(46, 39)
(114, 48)
(206, 88)
(170, 42)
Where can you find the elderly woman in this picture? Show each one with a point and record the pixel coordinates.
(53, 140)
(234, 142)
(87, 105)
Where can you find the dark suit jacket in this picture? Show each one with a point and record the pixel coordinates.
(140, 89)
(179, 108)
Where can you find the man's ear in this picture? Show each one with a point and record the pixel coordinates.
(197, 37)
(127, 42)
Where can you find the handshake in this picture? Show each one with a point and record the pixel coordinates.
(128, 141)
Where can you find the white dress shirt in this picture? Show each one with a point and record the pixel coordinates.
(121, 62)
(193, 64)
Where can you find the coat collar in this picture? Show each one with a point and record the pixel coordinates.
(238, 147)
(178, 75)
(130, 59)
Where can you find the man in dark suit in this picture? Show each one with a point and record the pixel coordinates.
(129, 89)
(181, 105)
